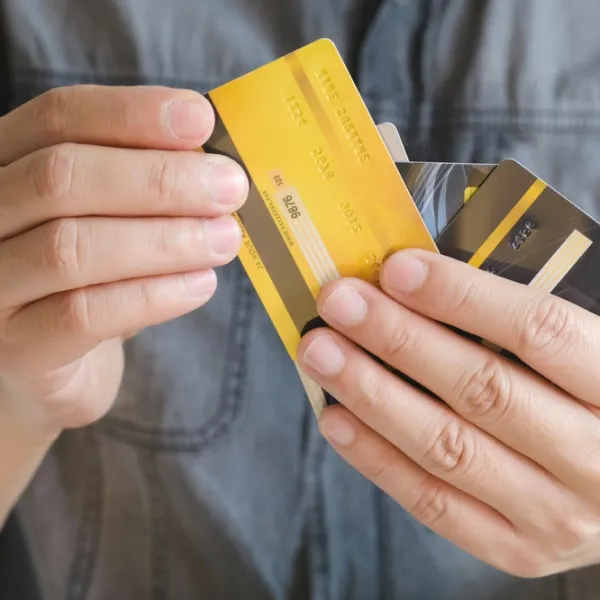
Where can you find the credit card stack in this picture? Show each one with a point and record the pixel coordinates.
(333, 195)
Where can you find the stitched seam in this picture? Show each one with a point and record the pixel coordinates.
(40, 76)
(88, 536)
(428, 107)
(159, 537)
(386, 587)
(538, 120)
(401, 105)
(505, 121)
(193, 441)
(317, 534)
(562, 586)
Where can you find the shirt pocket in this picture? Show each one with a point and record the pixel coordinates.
(184, 381)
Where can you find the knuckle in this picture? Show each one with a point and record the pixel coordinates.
(451, 449)
(398, 345)
(54, 110)
(174, 237)
(485, 393)
(164, 239)
(432, 505)
(63, 249)
(163, 178)
(52, 174)
(378, 466)
(573, 531)
(548, 327)
(75, 314)
(372, 396)
(144, 299)
(463, 297)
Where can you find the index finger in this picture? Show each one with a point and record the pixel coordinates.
(554, 337)
(133, 117)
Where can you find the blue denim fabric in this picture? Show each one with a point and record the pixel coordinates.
(209, 479)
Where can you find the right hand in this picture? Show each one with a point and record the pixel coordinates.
(109, 223)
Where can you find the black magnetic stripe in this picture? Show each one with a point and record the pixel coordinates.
(482, 214)
(264, 233)
(555, 219)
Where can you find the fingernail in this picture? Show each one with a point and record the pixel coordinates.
(226, 182)
(345, 306)
(324, 356)
(223, 236)
(337, 429)
(403, 273)
(187, 119)
(200, 284)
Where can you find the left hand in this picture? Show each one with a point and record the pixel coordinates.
(508, 465)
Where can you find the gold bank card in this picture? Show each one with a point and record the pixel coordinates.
(326, 199)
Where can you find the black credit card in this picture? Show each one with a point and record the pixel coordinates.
(440, 190)
(518, 227)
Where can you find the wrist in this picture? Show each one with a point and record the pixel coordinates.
(26, 436)
(20, 416)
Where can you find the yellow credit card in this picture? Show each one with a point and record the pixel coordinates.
(326, 199)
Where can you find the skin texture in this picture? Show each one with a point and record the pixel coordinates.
(110, 222)
(507, 465)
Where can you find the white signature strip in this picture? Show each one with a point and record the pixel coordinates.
(311, 244)
(561, 262)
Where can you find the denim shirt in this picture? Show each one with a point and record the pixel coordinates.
(209, 479)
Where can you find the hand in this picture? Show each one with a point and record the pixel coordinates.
(508, 465)
(109, 223)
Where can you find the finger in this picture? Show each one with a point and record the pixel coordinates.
(62, 328)
(72, 253)
(556, 338)
(132, 117)
(465, 521)
(71, 181)
(510, 402)
(429, 433)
